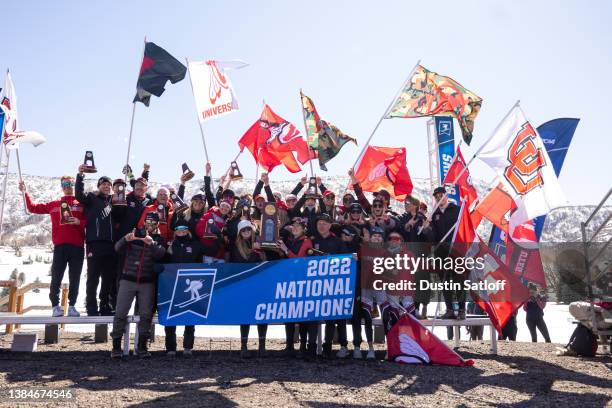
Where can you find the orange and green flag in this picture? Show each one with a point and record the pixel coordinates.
(429, 94)
(324, 139)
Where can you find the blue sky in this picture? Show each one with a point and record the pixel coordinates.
(75, 65)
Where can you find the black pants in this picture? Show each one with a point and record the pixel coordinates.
(262, 329)
(537, 321)
(330, 330)
(509, 330)
(101, 268)
(188, 337)
(358, 314)
(308, 334)
(72, 256)
(460, 294)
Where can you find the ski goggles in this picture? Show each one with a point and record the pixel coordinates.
(181, 228)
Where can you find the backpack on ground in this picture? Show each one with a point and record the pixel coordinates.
(583, 342)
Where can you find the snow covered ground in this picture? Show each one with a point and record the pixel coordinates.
(556, 315)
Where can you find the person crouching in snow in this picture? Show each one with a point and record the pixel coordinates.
(142, 249)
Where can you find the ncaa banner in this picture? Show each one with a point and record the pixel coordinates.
(212, 88)
(289, 290)
(446, 151)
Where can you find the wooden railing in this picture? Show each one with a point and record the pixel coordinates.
(16, 296)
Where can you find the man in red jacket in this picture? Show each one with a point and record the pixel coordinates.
(68, 236)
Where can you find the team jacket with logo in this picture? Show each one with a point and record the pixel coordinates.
(61, 234)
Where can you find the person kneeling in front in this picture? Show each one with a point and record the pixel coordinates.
(142, 248)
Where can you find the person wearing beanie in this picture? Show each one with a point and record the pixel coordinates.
(325, 241)
(68, 239)
(210, 230)
(184, 249)
(246, 250)
(100, 239)
(138, 278)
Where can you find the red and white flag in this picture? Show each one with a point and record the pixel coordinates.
(516, 152)
(410, 342)
(212, 88)
(273, 141)
(12, 136)
(459, 174)
(384, 167)
(496, 206)
(504, 293)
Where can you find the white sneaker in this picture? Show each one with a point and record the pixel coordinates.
(342, 353)
(58, 311)
(371, 355)
(357, 354)
(72, 312)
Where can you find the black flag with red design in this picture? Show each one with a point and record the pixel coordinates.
(157, 67)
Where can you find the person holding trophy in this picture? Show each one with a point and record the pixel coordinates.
(68, 236)
(164, 209)
(99, 234)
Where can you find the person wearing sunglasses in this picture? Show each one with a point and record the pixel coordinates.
(379, 216)
(142, 248)
(68, 237)
(247, 250)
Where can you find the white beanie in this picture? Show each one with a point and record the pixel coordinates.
(244, 224)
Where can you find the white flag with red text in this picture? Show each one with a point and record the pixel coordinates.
(516, 152)
(212, 88)
(12, 136)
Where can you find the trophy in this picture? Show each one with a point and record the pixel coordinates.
(268, 233)
(178, 203)
(161, 210)
(88, 163)
(314, 252)
(65, 214)
(119, 193)
(127, 170)
(208, 231)
(235, 173)
(187, 173)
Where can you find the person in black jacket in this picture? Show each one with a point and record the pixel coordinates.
(246, 251)
(442, 224)
(99, 236)
(328, 243)
(142, 249)
(184, 249)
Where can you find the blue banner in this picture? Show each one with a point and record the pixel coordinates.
(1, 125)
(446, 151)
(289, 290)
(557, 135)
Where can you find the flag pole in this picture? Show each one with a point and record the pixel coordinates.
(306, 130)
(25, 207)
(199, 123)
(129, 149)
(437, 203)
(397, 94)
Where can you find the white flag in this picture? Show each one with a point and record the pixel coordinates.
(516, 152)
(212, 88)
(12, 136)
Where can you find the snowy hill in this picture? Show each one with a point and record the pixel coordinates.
(562, 225)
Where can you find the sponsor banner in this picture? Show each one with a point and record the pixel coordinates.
(289, 290)
(212, 90)
(446, 151)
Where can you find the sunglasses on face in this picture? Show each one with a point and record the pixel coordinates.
(377, 206)
(67, 184)
(330, 197)
(395, 239)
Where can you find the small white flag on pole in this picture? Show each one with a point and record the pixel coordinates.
(212, 89)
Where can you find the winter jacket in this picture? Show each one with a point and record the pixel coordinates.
(535, 306)
(185, 250)
(164, 229)
(127, 217)
(298, 248)
(212, 246)
(99, 214)
(62, 233)
(236, 256)
(441, 223)
(140, 258)
(329, 245)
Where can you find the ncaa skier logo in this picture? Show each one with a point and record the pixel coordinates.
(444, 128)
(192, 293)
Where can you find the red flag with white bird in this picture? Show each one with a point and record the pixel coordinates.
(273, 141)
(410, 342)
(384, 168)
(503, 293)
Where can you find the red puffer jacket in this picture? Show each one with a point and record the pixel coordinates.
(62, 233)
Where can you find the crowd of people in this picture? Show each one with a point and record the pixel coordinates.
(125, 243)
